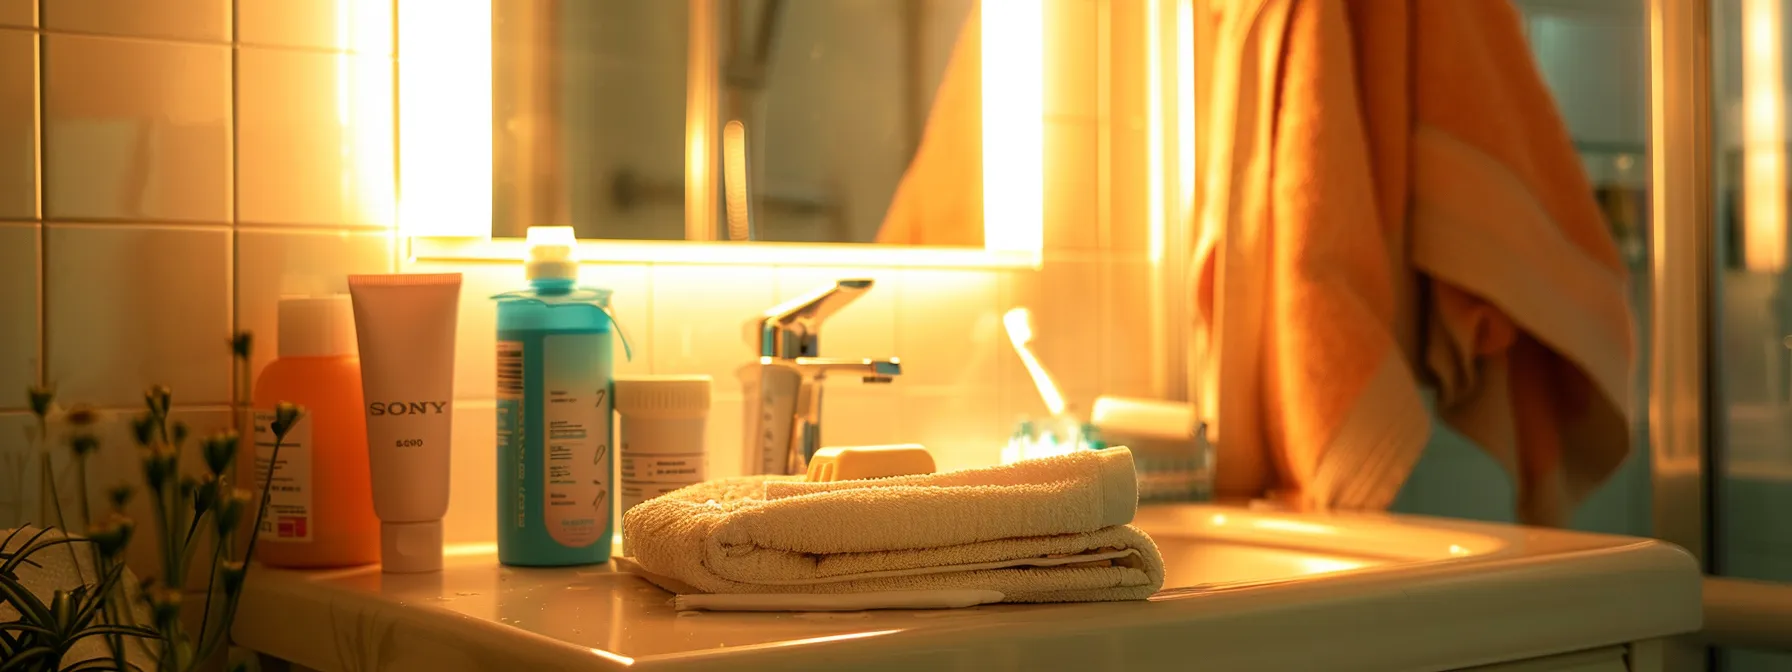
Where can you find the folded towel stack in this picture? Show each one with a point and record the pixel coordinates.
(1047, 530)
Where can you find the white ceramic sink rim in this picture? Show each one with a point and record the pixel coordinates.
(1456, 586)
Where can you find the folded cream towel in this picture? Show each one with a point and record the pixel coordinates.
(1048, 530)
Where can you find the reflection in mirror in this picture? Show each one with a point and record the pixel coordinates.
(841, 121)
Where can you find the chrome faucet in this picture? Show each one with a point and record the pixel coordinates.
(785, 383)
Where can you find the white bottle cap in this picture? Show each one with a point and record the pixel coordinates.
(411, 548)
(317, 326)
(662, 395)
(552, 253)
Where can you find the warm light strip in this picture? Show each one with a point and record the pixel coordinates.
(445, 117)
(1155, 207)
(1763, 138)
(1185, 127)
(1013, 125)
(724, 253)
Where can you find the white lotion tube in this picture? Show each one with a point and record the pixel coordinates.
(405, 326)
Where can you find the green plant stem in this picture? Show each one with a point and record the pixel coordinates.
(260, 511)
(115, 642)
(86, 509)
(205, 617)
(169, 575)
(43, 441)
(231, 601)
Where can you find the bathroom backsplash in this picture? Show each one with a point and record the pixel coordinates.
(166, 196)
(167, 170)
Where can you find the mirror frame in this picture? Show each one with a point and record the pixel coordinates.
(445, 149)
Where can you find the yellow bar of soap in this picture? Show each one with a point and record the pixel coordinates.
(849, 463)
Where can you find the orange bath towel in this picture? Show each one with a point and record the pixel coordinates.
(1391, 201)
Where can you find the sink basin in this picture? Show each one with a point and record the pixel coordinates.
(1206, 546)
(1355, 592)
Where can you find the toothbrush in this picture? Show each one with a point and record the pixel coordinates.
(1018, 322)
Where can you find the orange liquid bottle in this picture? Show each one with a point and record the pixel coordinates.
(320, 508)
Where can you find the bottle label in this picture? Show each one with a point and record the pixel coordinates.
(511, 465)
(289, 494)
(576, 437)
(648, 473)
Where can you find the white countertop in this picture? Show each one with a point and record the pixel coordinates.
(1366, 592)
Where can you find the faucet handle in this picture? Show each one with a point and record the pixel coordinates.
(793, 328)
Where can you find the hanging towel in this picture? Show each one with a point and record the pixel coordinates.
(1391, 200)
(1047, 530)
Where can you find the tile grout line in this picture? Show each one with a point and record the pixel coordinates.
(38, 46)
(399, 252)
(228, 43)
(231, 263)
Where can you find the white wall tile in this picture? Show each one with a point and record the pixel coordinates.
(314, 138)
(18, 124)
(631, 301)
(1070, 57)
(725, 442)
(860, 414)
(472, 475)
(1126, 222)
(699, 317)
(961, 428)
(1072, 221)
(202, 20)
(132, 306)
(18, 313)
(274, 263)
(1127, 357)
(948, 329)
(18, 471)
(864, 328)
(363, 26)
(475, 342)
(21, 13)
(136, 129)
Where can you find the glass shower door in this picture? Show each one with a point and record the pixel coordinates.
(1750, 459)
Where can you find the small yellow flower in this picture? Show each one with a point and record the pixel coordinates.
(83, 444)
(160, 465)
(206, 494)
(120, 495)
(164, 606)
(220, 451)
(143, 428)
(158, 398)
(41, 396)
(240, 344)
(82, 415)
(111, 535)
(286, 414)
(230, 511)
(232, 573)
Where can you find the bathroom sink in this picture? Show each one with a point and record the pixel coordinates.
(1207, 546)
(1245, 590)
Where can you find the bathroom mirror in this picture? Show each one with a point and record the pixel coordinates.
(810, 121)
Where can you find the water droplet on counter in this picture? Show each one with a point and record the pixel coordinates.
(578, 586)
(442, 598)
(465, 593)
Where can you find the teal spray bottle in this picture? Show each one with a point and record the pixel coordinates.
(555, 444)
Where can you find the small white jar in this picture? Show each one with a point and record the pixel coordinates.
(660, 446)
